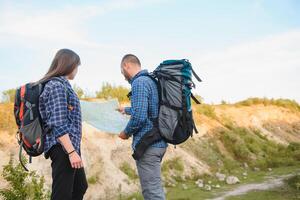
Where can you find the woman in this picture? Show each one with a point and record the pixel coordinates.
(60, 111)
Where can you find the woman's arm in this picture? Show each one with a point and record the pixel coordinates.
(57, 107)
(74, 158)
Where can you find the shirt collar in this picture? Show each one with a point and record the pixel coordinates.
(64, 79)
(140, 73)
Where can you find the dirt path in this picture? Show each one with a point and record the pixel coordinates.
(243, 189)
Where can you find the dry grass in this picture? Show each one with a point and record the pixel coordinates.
(7, 119)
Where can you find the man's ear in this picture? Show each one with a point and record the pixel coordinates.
(126, 66)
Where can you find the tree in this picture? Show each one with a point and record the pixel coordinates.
(109, 91)
(79, 91)
(9, 95)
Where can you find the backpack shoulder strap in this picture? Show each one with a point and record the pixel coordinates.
(150, 75)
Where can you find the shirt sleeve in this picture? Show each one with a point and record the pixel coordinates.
(128, 110)
(139, 107)
(57, 107)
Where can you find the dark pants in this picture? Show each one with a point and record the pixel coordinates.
(68, 183)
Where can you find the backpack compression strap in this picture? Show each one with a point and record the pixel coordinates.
(21, 116)
(196, 76)
(21, 113)
(195, 99)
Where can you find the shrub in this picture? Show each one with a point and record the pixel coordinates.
(248, 146)
(109, 91)
(206, 110)
(286, 103)
(22, 184)
(173, 164)
(294, 182)
(126, 168)
(7, 120)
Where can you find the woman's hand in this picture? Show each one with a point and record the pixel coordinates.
(75, 160)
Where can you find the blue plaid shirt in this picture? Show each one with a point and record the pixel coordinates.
(57, 116)
(144, 107)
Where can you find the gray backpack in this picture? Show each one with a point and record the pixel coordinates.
(175, 120)
(31, 128)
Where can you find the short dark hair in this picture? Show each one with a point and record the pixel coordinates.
(130, 58)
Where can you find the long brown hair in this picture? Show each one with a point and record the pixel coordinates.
(64, 62)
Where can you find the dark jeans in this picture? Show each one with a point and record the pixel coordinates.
(68, 183)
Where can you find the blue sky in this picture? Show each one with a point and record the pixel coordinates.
(239, 48)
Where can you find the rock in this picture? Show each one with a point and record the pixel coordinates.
(170, 181)
(246, 165)
(217, 186)
(207, 187)
(200, 185)
(230, 180)
(199, 181)
(209, 182)
(245, 174)
(269, 169)
(220, 163)
(165, 190)
(220, 177)
(184, 186)
(256, 169)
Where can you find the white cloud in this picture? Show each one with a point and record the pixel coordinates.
(60, 25)
(44, 30)
(268, 67)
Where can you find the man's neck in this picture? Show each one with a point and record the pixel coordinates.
(135, 73)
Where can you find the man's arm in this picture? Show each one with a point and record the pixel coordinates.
(139, 107)
(127, 110)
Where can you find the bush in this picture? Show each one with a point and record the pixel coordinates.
(125, 167)
(109, 91)
(206, 110)
(92, 180)
(249, 146)
(22, 184)
(173, 164)
(286, 103)
(7, 119)
(294, 182)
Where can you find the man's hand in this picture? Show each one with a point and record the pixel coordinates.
(123, 136)
(121, 110)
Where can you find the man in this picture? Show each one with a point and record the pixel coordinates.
(143, 111)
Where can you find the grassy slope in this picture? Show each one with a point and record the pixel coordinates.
(225, 150)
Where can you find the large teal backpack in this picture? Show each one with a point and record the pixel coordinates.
(175, 120)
